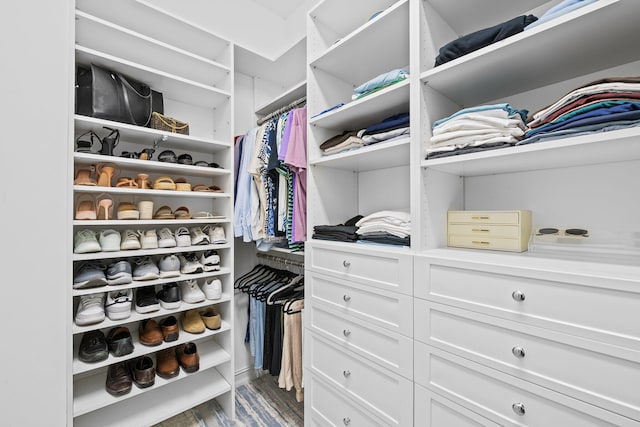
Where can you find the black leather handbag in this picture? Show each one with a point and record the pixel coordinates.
(109, 95)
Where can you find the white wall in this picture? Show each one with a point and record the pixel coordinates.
(37, 89)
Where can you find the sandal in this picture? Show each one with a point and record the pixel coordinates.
(146, 154)
(182, 184)
(109, 142)
(85, 208)
(207, 215)
(105, 173)
(164, 183)
(126, 182)
(205, 164)
(216, 189)
(85, 145)
(185, 159)
(164, 212)
(182, 213)
(143, 181)
(127, 210)
(83, 177)
(202, 187)
(104, 207)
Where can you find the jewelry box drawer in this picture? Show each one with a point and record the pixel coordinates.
(502, 397)
(433, 410)
(487, 217)
(485, 230)
(383, 393)
(389, 349)
(388, 310)
(489, 243)
(384, 269)
(324, 406)
(554, 360)
(606, 314)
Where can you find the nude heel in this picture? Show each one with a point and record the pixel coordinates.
(143, 181)
(105, 174)
(104, 207)
(85, 208)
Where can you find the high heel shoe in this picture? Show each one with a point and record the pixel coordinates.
(109, 142)
(105, 173)
(143, 181)
(83, 177)
(104, 207)
(85, 208)
(126, 182)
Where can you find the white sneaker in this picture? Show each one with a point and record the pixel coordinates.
(210, 260)
(216, 234)
(90, 309)
(145, 269)
(109, 240)
(129, 240)
(148, 239)
(166, 239)
(189, 263)
(118, 304)
(198, 237)
(191, 292)
(212, 288)
(85, 242)
(183, 237)
(169, 266)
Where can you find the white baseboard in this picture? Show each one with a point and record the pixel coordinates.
(244, 376)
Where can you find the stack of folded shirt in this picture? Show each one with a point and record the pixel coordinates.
(386, 227)
(379, 82)
(602, 105)
(338, 233)
(478, 128)
(346, 141)
(558, 10)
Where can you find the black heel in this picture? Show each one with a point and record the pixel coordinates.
(110, 142)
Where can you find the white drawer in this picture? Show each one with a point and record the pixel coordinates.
(324, 406)
(383, 268)
(605, 314)
(389, 310)
(498, 396)
(433, 410)
(386, 395)
(551, 359)
(389, 349)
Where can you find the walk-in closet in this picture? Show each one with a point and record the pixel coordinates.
(321, 213)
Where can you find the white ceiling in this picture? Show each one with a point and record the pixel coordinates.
(284, 8)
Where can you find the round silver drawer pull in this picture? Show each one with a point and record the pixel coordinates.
(346, 421)
(346, 332)
(346, 298)
(518, 352)
(518, 295)
(518, 408)
(346, 263)
(346, 373)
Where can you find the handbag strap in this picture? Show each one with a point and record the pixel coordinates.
(125, 82)
(171, 125)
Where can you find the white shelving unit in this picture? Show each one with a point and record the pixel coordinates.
(193, 69)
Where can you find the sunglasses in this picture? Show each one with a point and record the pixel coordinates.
(573, 232)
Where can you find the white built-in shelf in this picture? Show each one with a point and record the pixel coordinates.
(139, 222)
(604, 147)
(136, 317)
(110, 38)
(366, 111)
(139, 166)
(292, 94)
(146, 136)
(372, 157)
(89, 393)
(172, 86)
(143, 283)
(381, 43)
(147, 252)
(287, 251)
(139, 349)
(142, 192)
(572, 45)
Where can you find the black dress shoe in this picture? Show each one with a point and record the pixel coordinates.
(119, 341)
(93, 347)
(119, 380)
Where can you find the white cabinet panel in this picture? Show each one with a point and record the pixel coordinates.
(433, 410)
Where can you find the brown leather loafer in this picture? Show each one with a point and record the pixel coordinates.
(143, 372)
(188, 357)
(150, 333)
(169, 326)
(192, 323)
(211, 319)
(167, 363)
(118, 379)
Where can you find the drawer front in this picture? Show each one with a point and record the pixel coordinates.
(384, 270)
(484, 217)
(323, 406)
(504, 398)
(387, 395)
(489, 243)
(551, 359)
(391, 350)
(389, 310)
(602, 314)
(433, 410)
(481, 231)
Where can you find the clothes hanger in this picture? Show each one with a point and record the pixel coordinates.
(276, 296)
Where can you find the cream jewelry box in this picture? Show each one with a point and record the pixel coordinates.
(493, 230)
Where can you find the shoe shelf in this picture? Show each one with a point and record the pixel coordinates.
(136, 317)
(143, 283)
(144, 252)
(187, 391)
(89, 392)
(140, 349)
(137, 222)
(377, 156)
(145, 136)
(138, 191)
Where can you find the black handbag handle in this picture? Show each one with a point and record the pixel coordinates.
(125, 82)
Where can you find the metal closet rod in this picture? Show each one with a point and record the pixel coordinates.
(283, 260)
(282, 110)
